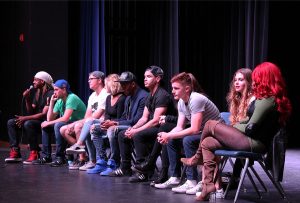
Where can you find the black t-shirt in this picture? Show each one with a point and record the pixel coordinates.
(115, 111)
(161, 98)
(40, 101)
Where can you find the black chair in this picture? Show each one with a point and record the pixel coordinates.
(272, 165)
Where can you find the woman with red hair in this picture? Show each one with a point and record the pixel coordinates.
(266, 114)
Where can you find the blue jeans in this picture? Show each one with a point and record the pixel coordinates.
(112, 135)
(60, 141)
(32, 128)
(190, 146)
(97, 136)
(85, 136)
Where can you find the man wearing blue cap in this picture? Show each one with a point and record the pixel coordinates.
(65, 107)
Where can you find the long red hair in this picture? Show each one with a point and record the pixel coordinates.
(268, 82)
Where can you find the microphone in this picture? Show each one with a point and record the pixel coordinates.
(28, 90)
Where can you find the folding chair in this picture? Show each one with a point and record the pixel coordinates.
(271, 165)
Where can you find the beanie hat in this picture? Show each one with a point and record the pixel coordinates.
(42, 75)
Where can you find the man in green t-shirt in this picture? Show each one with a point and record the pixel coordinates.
(65, 107)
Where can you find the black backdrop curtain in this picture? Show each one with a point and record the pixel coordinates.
(209, 39)
(163, 43)
(140, 34)
(92, 43)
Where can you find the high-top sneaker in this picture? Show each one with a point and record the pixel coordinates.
(101, 165)
(14, 156)
(34, 155)
(111, 166)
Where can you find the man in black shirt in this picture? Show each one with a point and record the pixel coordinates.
(31, 123)
(144, 132)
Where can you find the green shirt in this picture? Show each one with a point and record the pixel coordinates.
(265, 117)
(262, 108)
(72, 102)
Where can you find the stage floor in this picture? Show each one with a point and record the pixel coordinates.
(29, 183)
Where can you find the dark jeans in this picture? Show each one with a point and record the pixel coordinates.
(32, 128)
(125, 146)
(143, 142)
(60, 141)
(190, 145)
(159, 149)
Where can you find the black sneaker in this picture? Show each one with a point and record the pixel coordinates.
(163, 177)
(59, 161)
(138, 177)
(42, 161)
(143, 167)
(120, 172)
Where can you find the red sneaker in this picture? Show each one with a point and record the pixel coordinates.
(14, 156)
(34, 155)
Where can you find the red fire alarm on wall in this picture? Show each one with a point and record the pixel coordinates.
(21, 37)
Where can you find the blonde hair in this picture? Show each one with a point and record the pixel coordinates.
(111, 85)
(238, 102)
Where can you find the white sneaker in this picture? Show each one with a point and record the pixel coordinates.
(173, 181)
(195, 189)
(87, 165)
(219, 194)
(75, 149)
(189, 184)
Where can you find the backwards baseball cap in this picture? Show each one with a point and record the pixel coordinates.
(156, 71)
(42, 75)
(126, 77)
(63, 84)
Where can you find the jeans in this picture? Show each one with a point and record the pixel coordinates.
(125, 146)
(32, 128)
(112, 134)
(190, 146)
(85, 136)
(162, 149)
(143, 143)
(60, 141)
(174, 153)
(97, 136)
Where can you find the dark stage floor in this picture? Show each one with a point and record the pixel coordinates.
(28, 183)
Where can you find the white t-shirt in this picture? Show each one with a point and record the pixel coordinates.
(98, 101)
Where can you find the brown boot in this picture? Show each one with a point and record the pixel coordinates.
(208, 185)
(207, 189)
(195, 160)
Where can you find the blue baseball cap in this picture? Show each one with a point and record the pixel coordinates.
(63, 84)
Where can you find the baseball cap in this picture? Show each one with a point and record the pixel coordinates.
(127, 77)
(62, 84)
